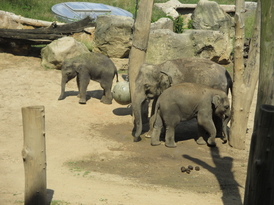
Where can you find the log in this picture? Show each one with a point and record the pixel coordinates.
(27, 21)
(259, 187)
(53, 32)
(34, 155)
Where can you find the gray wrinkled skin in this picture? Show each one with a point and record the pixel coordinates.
(186, 101)
(152, 80)
(86, 67)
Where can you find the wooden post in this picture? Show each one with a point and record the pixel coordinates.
(140, 41)
(34, 155)
(259, 187)
(237, 139)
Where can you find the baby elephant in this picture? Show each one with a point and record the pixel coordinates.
(86, 67)
(186, 101)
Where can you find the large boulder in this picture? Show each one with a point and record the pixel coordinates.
(113, 36)
(57, 51)
(6, 21)
(162, 23)
(166, 45)
(208, 15)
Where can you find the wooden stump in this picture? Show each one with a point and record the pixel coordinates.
(260, 175)
(34, 155)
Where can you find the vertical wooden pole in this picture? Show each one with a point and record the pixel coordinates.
(34, 155)
(140, 41)
(245, 81)
(237, 138)
(259, 188)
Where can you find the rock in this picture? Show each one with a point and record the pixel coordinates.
(7, 22)
(112, 36)
(85, 37)
(57, 51)
(169, 8)
(213, 45)
(166, 45)
(208, 15)
(162, 23)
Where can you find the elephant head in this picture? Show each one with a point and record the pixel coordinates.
(150, 83)
(70, 68)
(222, 110)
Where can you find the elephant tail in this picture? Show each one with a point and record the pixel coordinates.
(116, 73)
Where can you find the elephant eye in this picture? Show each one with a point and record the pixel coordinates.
(226, 107)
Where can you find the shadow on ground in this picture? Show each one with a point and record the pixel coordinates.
(161, 166)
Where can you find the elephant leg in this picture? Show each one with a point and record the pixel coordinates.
(78, 86)
(83, 85)
(145, 111)
(219, 126)
(149, 133)
(156, 131)
(107, 95)
(151, 120)
(201, 134)
(169, 138)
(207, 123)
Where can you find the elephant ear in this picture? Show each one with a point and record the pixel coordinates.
(78, 66)
(165, 80)
(216, 100)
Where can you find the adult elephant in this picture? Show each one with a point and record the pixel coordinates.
(152, 80)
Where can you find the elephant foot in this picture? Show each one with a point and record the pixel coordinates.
(156, 143)
(148, 134)
(105, 100)
(201, 141)
(171, 145)
(61, 97)
(222, 138)
(137, 139)
(82, 101)
(211, 142)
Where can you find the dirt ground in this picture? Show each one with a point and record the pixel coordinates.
(91, 156)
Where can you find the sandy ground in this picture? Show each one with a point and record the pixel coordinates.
(91, 156)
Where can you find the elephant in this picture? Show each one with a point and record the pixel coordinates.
(86, 67)
(186, 101)
(152, 80)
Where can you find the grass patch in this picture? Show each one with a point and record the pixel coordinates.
(59, 202)
(41, 10)
(249, 25)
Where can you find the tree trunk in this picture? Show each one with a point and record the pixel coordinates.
(245, 78)
(140, 41)
(260, 174)
(34, 155)
(259, 188)
(266, 82)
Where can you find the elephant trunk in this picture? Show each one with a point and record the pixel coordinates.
(139, 98)
(63, 85)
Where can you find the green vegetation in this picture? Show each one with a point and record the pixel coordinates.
(41, 10)
(59, 202)
(249, 23)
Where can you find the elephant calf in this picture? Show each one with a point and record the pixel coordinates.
(86, 67)
(186, 101)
